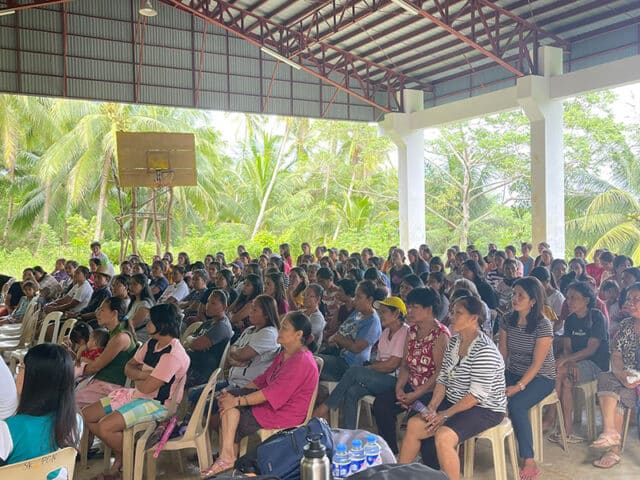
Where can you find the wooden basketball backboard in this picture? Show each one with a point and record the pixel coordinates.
(156, 159)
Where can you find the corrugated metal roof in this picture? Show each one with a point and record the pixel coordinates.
(103, 49)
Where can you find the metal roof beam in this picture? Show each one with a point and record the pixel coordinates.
(491, 22)
(450, 44)
(368, 78)
(395, 26)
(556, 18)
(12, 6)
(308, 12)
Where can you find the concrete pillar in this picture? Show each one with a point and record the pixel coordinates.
(547, 158)
(411, 191)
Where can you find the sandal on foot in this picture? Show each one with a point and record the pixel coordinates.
(606, 441)
(608, 460)
(218, 466)
(530, 474)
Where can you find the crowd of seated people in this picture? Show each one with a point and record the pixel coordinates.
(474, 338)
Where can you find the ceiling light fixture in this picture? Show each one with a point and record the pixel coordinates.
(148, 10)
(277, 56)
(4, 13)
(408, 7)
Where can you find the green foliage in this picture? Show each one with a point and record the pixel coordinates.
(295, 180)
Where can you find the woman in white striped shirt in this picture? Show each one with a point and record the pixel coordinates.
(469, 396)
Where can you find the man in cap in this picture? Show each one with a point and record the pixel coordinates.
(101, 291)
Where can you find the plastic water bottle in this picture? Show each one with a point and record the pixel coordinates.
(372, 452)
(356, 454)
(341, 464)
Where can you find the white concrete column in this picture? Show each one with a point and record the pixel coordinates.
(411, 191)
(547, 157)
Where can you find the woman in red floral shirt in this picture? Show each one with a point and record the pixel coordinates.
(426, 342)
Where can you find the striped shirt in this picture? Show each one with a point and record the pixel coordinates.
(480, 373)
(521, 346)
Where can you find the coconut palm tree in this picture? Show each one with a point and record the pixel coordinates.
(611, 218)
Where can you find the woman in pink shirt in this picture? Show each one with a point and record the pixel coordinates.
(157, 369)
(277, 399)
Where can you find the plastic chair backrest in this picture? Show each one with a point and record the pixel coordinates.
(173, 404)
(39, 468)
(196, 424)
(66, 328)
(225, 354)
(54, 318)
(29, 322)
(189, 330)
(312, 403)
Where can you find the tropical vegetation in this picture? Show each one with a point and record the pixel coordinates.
(292, 180)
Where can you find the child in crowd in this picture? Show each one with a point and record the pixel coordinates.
(86, 344)
(611, 293)
(94, 346)
(29, 290)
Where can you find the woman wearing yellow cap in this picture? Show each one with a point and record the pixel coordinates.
(426, 342)
(379, 375)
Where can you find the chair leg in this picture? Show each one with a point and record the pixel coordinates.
(84, 447)
(204, 459)
(106, 464)
(151, 466)
(563, 432)
(358, 409)
(499, 459)
(334, 418)
(469, 450)
(590, 406)
(513, 455)
(625, 427)
(128, 447)
(367, 409)
(535, 418)
(244, 444)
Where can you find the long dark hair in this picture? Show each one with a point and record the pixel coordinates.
(535, 291)
(474, 267)
(145, 293)
(583, 266)
(256, 283)
(280, 295)
(268, 306)
(48, 389)
(303, 276)
(438, 277)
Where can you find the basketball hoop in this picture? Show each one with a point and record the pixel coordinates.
(163, 178)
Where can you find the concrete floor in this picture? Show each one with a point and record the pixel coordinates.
(558, 465)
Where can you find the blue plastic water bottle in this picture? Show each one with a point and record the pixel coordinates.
(372, 452)
(356, 454)
(341, 464)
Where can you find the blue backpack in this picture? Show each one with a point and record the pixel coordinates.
(280, 454)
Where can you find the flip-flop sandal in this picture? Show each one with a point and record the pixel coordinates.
(606, 441)
(608, 460)
(529, 474)
(218, 466)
